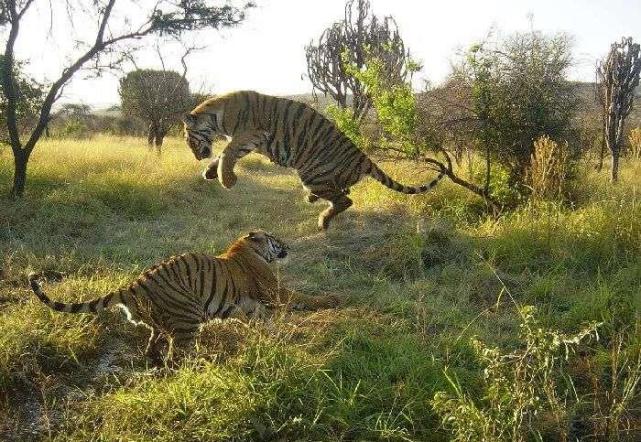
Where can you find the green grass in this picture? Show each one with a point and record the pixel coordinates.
(419, 277)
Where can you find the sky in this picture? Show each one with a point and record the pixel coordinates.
(266, 52)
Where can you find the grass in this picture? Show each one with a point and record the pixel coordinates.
(420, 276)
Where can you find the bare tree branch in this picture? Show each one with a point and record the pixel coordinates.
(352, 41)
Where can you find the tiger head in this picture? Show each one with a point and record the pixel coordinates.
(200, 130)
(266, 245)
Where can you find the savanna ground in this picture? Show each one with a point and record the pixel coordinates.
(419, 276)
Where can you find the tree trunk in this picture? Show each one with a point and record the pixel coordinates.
(613, 143)
(614, 176)
(20, 159)
(159, 138)
(151, 136)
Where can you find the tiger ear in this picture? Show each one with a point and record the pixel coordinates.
(252, 236)
(189, 120)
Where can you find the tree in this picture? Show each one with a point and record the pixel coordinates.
(518, 93)
(405, 130)
(73, 120)
(158, 97)
(29, 98)
(78, 111)
(618, 76)
(358, 37)
(106, 49)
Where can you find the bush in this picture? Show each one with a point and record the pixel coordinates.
(348, 124)
(75, 128)
(501, 187)
(520, 388)
(635, 143)
(518, 92)
(549, 169)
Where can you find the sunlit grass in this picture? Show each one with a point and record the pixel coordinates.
(419, 275)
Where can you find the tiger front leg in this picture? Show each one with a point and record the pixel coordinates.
(240, 146)
(253, 309)
(225, 171)
(306, 302)
(298, 301)
(311, 198)
(338, 203)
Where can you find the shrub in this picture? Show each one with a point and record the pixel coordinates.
(549, 169)
(348, 124)
(518, 91)
(501, 187)
(519, 387)
(75, 128)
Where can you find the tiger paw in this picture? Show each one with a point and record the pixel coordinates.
(323, 223)
(228, 180)
(211, 173)
(311, 198)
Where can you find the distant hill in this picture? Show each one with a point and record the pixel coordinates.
(588, 102)
(112, 111)
(319, 101)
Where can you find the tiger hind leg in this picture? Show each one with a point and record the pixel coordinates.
(211, 173)
(153, 337)
(182, 337)
(178, 347)
(158, 348)
(339, 202)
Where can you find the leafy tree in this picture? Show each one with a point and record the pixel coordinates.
(78, 111)
(394, 102)
(519, 92)
(359, 36)
(158, 97)
(75, 118)
(405, 133)
(29, 96)
(106, 48)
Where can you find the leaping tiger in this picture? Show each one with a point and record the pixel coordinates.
(291, 134)
(175, 297)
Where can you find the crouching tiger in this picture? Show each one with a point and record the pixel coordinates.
(174, 298)
(291, 134)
